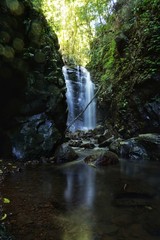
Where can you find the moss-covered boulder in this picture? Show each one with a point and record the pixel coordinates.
(32, 89)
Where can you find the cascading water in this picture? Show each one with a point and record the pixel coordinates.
(80, 92)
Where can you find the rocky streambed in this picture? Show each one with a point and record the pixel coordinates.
(85, 191)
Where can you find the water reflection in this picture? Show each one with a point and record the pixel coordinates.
(132, 169)
(80, 185)
(78, 198)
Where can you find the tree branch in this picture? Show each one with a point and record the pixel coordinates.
(83, 109)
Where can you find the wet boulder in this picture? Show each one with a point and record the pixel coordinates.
(101, 139)
(88, 145)
(103, 158)
(107, 142)
(129, 149)
(65, 153)
(142, 147)
(75, 143)
(151, 142)
(35, 137)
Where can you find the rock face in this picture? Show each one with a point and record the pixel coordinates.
(141, 148)
(32, 89)
(139, 112)
(126, 64)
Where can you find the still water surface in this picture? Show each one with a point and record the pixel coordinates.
(77, 202)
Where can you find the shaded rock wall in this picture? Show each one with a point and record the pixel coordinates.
(32, 89)
(126, 63)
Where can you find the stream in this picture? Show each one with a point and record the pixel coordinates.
(75, 201)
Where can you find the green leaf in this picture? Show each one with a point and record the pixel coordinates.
(6, 200)
(4, 217)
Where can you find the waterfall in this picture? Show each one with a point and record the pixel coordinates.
(80, 91)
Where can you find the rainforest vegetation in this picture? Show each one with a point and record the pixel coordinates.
(82, 25)
(119, 41)
(76, 24)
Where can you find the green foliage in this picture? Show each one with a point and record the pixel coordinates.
(4, 217)
(106, 33)
(110, 55)
(75, 23)
(6, 200)
(130, 44)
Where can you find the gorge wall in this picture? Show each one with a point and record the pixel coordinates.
(126, 62)
(32, 88)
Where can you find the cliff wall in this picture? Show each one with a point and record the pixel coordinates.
(32, 88)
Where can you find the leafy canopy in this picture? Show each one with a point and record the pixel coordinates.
(75, 23)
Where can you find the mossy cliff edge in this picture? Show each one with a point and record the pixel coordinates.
(126, 62)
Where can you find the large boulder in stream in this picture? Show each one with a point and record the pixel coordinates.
(102, 158)
(32, 88)
(141, 148)
(65, 153)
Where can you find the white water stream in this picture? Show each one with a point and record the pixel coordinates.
(80, 92)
